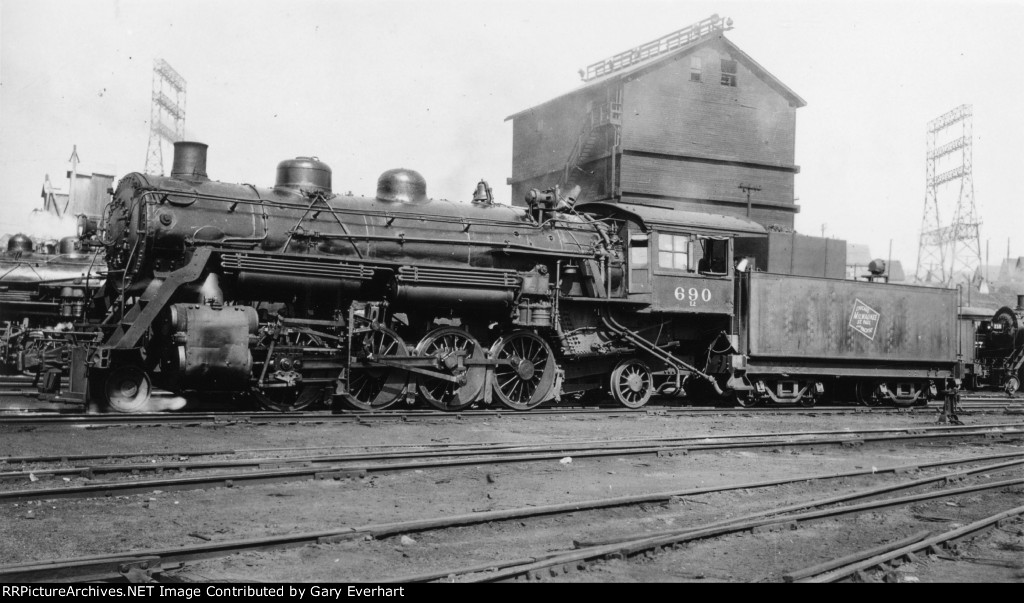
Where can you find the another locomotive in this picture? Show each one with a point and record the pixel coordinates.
(294, 295)
(45, 297)
(998, 351)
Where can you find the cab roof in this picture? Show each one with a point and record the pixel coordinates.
(675, 219)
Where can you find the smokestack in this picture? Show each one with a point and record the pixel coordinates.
(189, 161)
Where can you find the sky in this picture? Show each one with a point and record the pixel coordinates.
(368, 86)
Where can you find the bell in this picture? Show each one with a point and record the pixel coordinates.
(482, 193)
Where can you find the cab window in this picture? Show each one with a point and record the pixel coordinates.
(638, 254)
(716, 256)
(674, 251)
(692, 253)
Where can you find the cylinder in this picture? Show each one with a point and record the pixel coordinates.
(210, 347)
(189, 161)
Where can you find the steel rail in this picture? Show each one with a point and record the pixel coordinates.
(562, 448)
(482, 446)
(632, 547)
(873, 560)
(229, 480)
(88, 566)
(9, 418)
(799, 575)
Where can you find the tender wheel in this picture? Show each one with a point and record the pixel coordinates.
(808, 400)
(372, 386)
(865, 393)
(744, 399)
(127, 389)
(1011, 386)
(631, 383)
(525, 375)
(446, 345)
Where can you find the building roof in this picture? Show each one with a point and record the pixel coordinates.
(660, 59)
(649, 216)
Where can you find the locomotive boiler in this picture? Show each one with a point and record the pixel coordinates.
(292, 295)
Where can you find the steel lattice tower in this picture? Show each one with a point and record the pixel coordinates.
(168, 108)
(948, 249)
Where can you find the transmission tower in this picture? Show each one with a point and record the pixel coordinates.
(167, 115)
(948, 249)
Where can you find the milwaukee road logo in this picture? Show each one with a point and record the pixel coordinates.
(864, 319)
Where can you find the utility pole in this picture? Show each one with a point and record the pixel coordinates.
(747, 188)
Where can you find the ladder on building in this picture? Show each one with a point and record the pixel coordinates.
(592, 139)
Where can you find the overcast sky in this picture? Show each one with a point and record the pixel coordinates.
(372, 85)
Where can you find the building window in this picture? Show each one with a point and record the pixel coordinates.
(695, 69)
(728, 73)
(674, 251)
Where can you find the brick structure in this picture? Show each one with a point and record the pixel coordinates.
(688, 121)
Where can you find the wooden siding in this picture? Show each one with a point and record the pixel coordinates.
(543, 138)
(687, 145)
(698, 180)
(664, 112)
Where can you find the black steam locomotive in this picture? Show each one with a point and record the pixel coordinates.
(997, 361)
(295, 295)
(48, 294)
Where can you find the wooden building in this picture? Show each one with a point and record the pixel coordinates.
(687, 121)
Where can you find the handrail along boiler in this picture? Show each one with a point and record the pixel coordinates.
(295, 294)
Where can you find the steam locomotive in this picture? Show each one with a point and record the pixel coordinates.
(997, 360)
(295, 295)
(46, 297)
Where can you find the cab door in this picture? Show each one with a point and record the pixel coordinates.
(639, 262)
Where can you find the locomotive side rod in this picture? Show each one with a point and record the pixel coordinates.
(414, 364)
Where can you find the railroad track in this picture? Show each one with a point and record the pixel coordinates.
(277, 455)
(355, 465)
(23, 417)
(147, 564)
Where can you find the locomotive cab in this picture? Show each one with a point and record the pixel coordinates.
(678, 261)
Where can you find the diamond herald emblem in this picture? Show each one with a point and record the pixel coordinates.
(864, 319)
